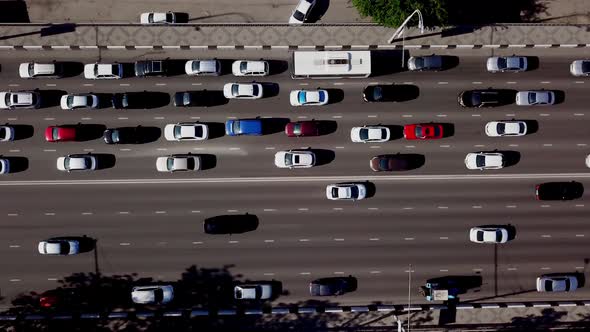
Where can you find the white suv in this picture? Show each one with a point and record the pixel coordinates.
(40, 70)
(105, 71)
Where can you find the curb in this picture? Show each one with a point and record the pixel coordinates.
(192, 313)
(279, 47)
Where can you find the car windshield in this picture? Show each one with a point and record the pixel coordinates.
(55, 133)
(297, 129)
(354, 192)
(501, 63)
(235, 89)
(301, 97)
(364, 133)
(196, 65)
(198, 131)
(115, 135)
(475, 98)
(255, 90)
(521, 127)
(168, 17)
(419, 131)
(288, 159)
(479, 236)
(501, 128)
(115, 70)
(299, 15)
(548, 285)
(532, 98)
(151, 18)
(498, 235)
(190, 163)
(177, 131)
(31, 68)
(186, 98)
(521, 62)
(243, 67)
(236, 127)
(334, 192)
(480, 161)
(238, 293)
(2, 132)
(158, 295)
(377, 93)
(567, 284)
(585, 66)
(384, 163)
(157, 66)
(419, 62)
(170, 164)
(322, 96)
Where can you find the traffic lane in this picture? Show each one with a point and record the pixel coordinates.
(233, 160)
(326, 261)
(255, 196)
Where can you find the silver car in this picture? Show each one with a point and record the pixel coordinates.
(77, 162)
(242, 90)
(535, 98)
(154, 294)
(75, 101)
(203, 67)
(178, 163)
(501, 64)
(23, 99)
(59, 246)
(259, 291)
(346, 191)
(370, 134)
(557, 283)
(425, 63)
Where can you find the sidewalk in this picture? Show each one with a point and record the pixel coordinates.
(229, 36)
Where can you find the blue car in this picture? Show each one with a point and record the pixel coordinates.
(243, 127)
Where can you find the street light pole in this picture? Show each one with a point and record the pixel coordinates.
(400, 30)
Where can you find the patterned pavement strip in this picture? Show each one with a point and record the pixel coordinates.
(267, 36)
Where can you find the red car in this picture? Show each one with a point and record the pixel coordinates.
(60, 133)
(302, 128)
(423, 131)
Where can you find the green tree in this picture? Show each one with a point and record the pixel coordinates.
(392, 13)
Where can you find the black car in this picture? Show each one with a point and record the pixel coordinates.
(230, 224)
(390, 92)
(199, 98)
(559, 191)
(484, 98)
(151, 68)
(139, 100)
(122, 135)
(332, 286)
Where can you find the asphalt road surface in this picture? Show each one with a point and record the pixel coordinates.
(150, 223)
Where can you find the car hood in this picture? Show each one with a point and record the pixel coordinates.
(280, 158)
(492, 63)
(3, 99)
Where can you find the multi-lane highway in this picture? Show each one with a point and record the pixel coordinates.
(150, 223)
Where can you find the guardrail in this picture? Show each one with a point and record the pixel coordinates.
(201, 312)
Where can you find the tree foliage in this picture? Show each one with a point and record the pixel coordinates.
(392, 13)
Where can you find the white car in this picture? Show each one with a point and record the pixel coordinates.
(74, 101)
(253, 292)
(186, 131)
(59, 246)
(295, 159)
(501, 64)
(157, 18)
(557, 283)
(153, 294)
(535, 98)
(178, 163)
(588, 161)
(4, 166)
(370, 134)
(22, 99)
(346, 191)
(250, 68)
(203, 67)
(505, 128)
(484, 160)
(302, 11)
(242, 90)
(39, 70)
(103, 71)
(6, 133)
(317, 97)
(488, 234)
(77, 162)
(580, 68)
